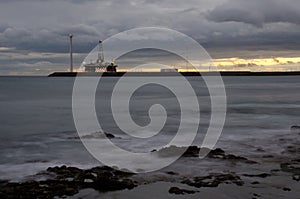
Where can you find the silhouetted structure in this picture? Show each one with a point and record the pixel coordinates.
(71, 52)
(111, 67)
(100, 64)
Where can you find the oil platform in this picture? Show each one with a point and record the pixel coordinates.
(100, 65)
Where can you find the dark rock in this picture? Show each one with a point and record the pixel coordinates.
(260, 150)
(293, 149)
(262, 175)
(250, 162)
(175, 151)
(216, 153)
(171, 173)
(3, 182)
(291, 167)
(98, 135)
(286, 189)
(275, 170)
(193, 151)
(36, 161)
(3, 196)
(233, 157)
(109, 135)
(268, 156)
(295, 127)
(178, 191)
(114, 184)
(255, 182)
(255, 196)
(220, 154)
(213, 180)
(296, 177)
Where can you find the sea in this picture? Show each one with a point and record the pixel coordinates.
(37, 129)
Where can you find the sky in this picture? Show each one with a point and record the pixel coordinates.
(238, 34)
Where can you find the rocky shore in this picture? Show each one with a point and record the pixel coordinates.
(64, 181)
(67, 181)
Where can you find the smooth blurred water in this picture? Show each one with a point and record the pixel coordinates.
(37, 128)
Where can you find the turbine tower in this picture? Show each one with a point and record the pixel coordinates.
(71, 53)
(100, 53)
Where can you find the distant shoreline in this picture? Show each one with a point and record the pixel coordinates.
(137, 74)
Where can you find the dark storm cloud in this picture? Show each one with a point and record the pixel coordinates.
(42, 26)
(47, 40)
(74, 1)
(279, 40)
(257, 12)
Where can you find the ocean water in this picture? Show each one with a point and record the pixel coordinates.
(37, 128)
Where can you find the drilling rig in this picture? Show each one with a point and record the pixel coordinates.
(100, 65)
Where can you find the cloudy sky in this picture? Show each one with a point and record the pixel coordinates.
(259, 34)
